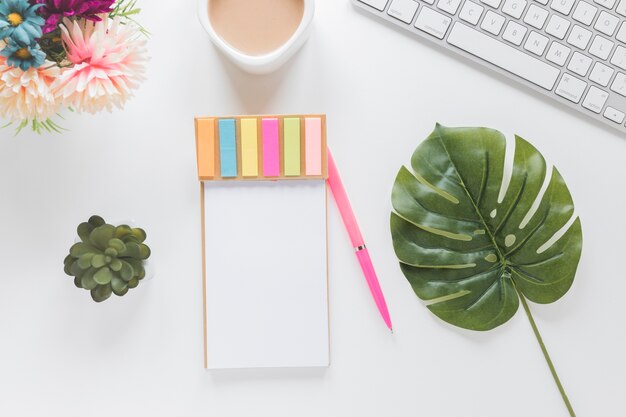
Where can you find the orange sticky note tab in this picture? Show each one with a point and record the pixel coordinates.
(205, 147)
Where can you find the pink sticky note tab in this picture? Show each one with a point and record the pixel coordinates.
(271, 148)
(313, 149)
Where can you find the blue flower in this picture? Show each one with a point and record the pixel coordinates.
(19, 21)
(23, 56)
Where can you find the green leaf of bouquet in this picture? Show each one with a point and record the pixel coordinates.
(103, 276)
(466, 251)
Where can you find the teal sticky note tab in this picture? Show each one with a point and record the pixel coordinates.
(228, 148)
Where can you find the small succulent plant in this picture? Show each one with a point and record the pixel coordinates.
(108, 259)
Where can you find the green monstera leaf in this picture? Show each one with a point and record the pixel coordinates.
(473, 248)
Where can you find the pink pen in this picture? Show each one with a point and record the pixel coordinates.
(341, 198)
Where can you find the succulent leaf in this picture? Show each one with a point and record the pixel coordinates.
(75, 270)
(101, 293)
(96, 221)
(139, 234)
(127, 271)
(116, 265)
(119, 286)
(84, 261)
(84, 230)
(133, 283)
(67, 263)
(87, 281)
(103, 276)
(80, 249)
(117, 244)
(121, 232)
(98, 261)
(100, 236)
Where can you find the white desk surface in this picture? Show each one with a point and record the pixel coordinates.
(63, 355)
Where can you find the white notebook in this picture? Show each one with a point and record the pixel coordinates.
(265, 280)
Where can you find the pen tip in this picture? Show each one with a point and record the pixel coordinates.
(391, 328)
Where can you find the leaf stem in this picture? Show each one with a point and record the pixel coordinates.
(546, 355)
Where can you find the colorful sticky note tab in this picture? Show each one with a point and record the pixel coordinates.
(313, 147)
(249, 148)
(205, 147)
(291, 146)
(228, 148)
(271, 148)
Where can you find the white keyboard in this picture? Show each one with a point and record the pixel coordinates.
(571, 50)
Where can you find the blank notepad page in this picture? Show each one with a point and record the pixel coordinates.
(266, 274)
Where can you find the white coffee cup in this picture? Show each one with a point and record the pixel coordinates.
(267, 62)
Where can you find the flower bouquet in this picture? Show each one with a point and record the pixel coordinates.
(81, 55)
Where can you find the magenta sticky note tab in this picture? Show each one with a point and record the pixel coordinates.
(313, 146)
(271, 148)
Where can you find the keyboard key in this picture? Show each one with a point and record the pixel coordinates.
(471, 12)
(579, 37)
(601, 74)
(493, 3)
(621, 8)
(606, 23)
(619, 57)
(562, 6)
(619, 84)
(544, 2)
(585, 12)
(614, 115)
(536, 16)
(432, 22)
(621, 33)
(514, 33)
(606, 3)
(449, 6)
(536, 43)
(514, 8)
(595, 99)
(377, 4)
(492, 23)
(557, 26)
(579, 64)
(403, 10)
(558, 53)
(571, 88)
(601, 47)
(503, 56)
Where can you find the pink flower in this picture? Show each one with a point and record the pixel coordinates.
(109, 62)
(27, 95)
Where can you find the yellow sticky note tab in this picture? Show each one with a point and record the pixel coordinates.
(249, 148)
(292, 146)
